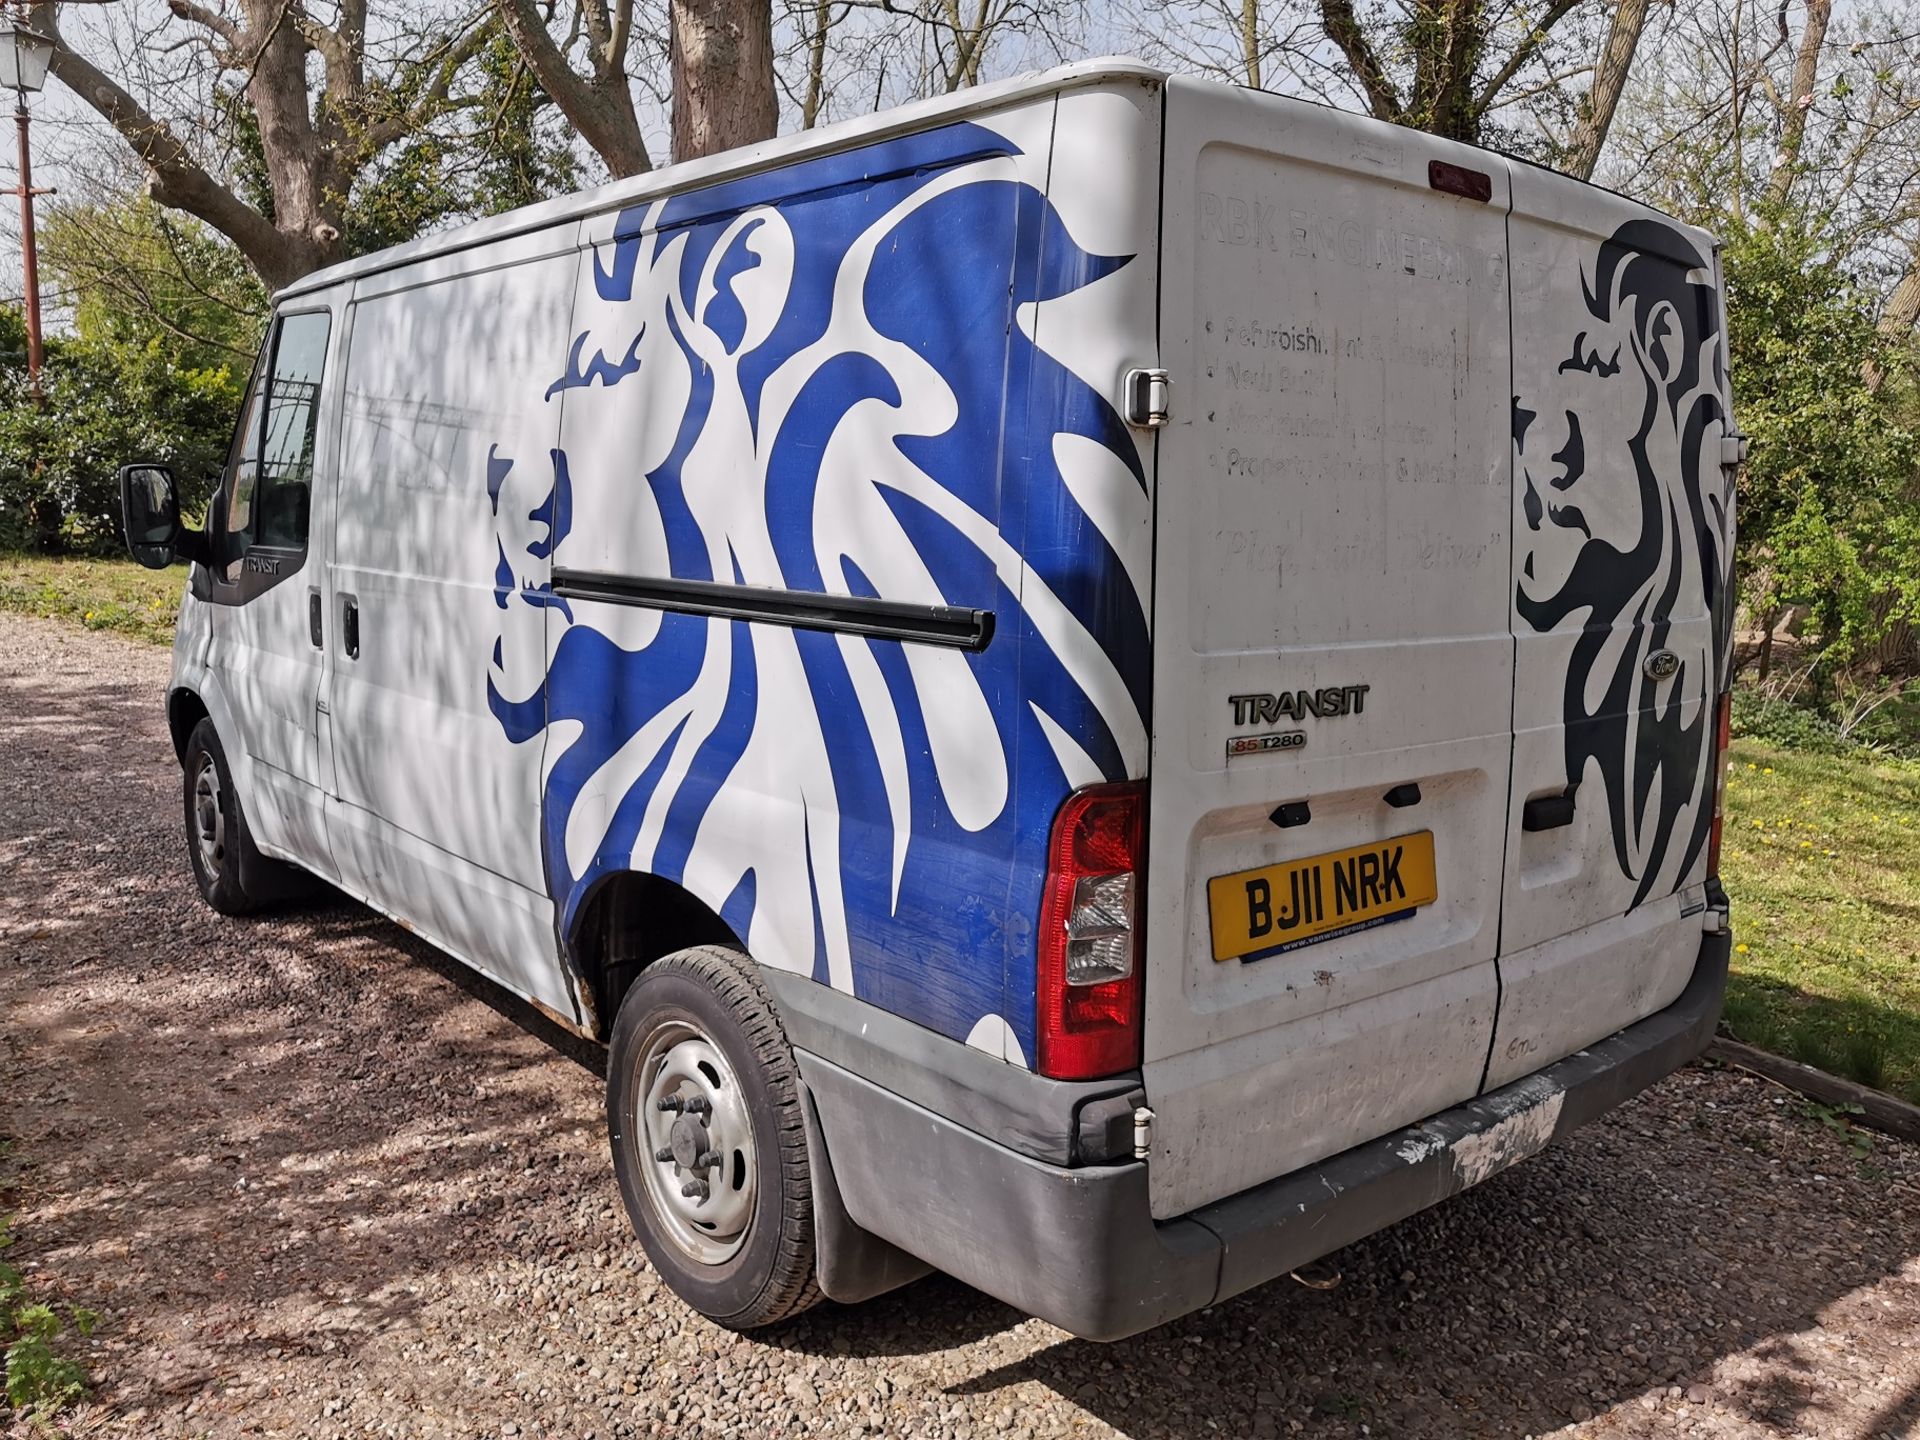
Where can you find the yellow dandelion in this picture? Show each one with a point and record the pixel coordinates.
(1806, 844)
(1767, 771)
(1740, 949)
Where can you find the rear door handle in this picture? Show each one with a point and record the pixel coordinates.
(313, 617)
(350, 628)
(1548, 812)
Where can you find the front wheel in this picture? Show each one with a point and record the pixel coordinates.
(216, 827)
(709, 1147)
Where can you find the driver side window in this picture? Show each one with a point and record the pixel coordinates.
(272, 476)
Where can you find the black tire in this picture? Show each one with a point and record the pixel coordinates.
(234, 877)
(715, 993)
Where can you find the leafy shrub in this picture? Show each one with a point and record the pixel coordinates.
(106, 405)
(1895, 726)
(39, 1380)
(1785, 723)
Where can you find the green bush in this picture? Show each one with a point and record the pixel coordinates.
(108, 402)
(1783, 722)
(39, 1380)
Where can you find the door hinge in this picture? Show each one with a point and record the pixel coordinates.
(1149, 395)
(1733, 449)
(1142, 1133)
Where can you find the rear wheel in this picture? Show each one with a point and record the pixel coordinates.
(704, 1114)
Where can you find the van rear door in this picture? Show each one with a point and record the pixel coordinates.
(1333, 662)
(1622, 541)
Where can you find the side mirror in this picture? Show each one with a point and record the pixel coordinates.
(150, 508)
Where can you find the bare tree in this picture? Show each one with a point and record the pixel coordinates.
(1445, 66)
(321, 117)
(598, 102)
(1799, 97)
(1609, 80)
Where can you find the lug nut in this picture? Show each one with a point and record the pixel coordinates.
(694, 1189)
(671, 1104)
(698, 1105)
(663, 1154)
(706, 1160)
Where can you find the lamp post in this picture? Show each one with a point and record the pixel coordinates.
(24, 56)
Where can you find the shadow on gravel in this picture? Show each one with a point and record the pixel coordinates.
(1548, 1294)
(281, 1163)
(271, 1133)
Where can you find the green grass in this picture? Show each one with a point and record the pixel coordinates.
(113, 595)
(1822, 860)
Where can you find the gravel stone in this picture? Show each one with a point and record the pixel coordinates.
(318, 1180)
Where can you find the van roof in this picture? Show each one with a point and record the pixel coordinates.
(693, 174)
(843, 135)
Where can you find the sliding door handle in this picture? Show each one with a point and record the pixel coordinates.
(1548, 812)
(350, 627)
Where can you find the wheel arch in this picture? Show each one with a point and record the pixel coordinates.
(185, 709)
(625, 922)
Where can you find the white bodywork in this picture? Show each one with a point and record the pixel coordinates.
(1341, 499)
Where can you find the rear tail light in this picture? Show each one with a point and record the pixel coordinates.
(1722, 738)
(1089, 942)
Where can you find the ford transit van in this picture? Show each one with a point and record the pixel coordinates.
(1106, 684)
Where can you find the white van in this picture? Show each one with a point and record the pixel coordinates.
(1106, 684)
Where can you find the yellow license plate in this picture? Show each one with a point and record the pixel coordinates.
(1276, 908)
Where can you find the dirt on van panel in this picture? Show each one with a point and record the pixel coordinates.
(317, 1181)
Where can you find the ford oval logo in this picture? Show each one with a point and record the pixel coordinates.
(1661, 665)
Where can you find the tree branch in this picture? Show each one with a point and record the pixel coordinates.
(177, 179)
(1337, 18)
(1524, 51)
(600, 108)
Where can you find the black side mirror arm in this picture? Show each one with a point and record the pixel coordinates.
(195, 546)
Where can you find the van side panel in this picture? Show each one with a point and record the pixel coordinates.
(434, 815)
(814, 383)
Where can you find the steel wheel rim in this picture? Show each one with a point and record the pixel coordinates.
(209, 819)
(692, 1137)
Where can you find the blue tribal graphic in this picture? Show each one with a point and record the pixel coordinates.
(825, 379)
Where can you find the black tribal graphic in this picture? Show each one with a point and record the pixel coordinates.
(1652, 349)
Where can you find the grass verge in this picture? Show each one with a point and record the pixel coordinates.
(1822, 860)
(113, 595)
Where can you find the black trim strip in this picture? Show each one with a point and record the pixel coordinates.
(954, 626)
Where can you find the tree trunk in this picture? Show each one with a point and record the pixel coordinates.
(1793, 124)
(723, 92)
(1609, 79)
(321, 121)
(1903, 306)
(816, 64)
(1250, 39)
(1901, 312)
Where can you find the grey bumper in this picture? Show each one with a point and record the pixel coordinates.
(1077, 1246)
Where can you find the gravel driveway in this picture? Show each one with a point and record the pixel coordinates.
(320, 1182)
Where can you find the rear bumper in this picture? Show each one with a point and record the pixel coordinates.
(1078, 1246)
